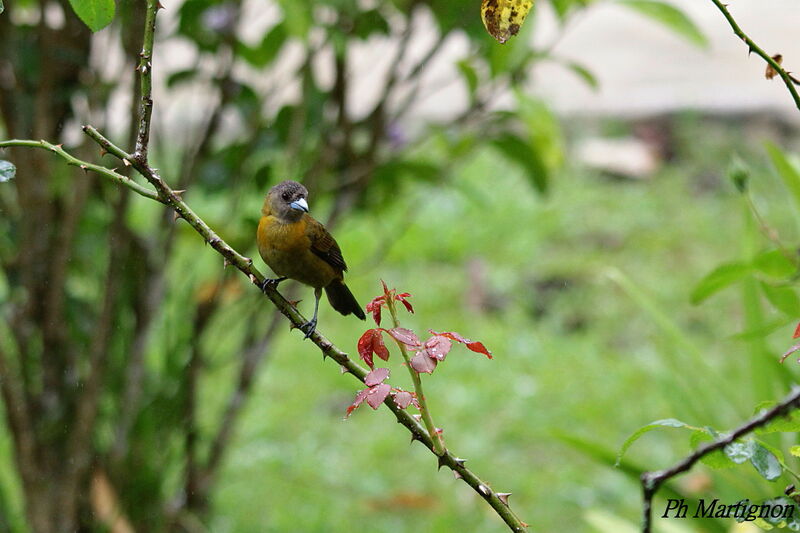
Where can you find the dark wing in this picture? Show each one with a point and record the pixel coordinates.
(323, 245)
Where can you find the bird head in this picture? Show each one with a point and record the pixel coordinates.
(286, 201)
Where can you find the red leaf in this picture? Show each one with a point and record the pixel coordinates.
(796, 331)
(402, 298)
(438, 346)
(377, 394)
(385, 288)
(406, 336)
(372, 342)
(374, 307)
(475, 346)
(365, 350)
(376, 376)
(423, 363)
(360, 396)
(403, 399)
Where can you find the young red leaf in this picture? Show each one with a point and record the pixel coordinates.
(403, 399)
(360, 397)
(475, 346)
(385, 288)
(374, 307)
(376, 376)
(377, 394)
(402, 299)
(372, 342)
(365, 350)
(796, 331)
(438, 346)
(423, 363)
(406, 336)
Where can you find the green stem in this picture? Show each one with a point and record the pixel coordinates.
(85, 165)
(787, 78)
(438, 443)
(145, 69)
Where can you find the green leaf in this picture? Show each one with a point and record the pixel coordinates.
(795, 450)
(671, 17)
(7, 171)
(765, 462)
(718, 279)
(716, 459)
(526, 155)
(787, 170)
(774, 263)
(665, 423)
(585, 74)
(783, 298)
(470, 76)
(264, 53)
(785, 424)
(97, 14)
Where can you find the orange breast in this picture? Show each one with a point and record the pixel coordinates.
(286, 249)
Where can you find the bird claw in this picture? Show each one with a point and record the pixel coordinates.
(271, 282)
(309, 328)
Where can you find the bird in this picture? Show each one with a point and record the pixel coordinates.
(296, 246)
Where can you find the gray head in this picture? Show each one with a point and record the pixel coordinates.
(287, 201)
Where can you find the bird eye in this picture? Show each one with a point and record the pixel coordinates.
(286, 196)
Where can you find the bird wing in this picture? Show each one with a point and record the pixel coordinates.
(324, 245)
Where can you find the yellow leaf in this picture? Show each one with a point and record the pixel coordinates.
(504, 18)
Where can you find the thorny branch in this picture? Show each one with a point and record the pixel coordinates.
(652, 481)
(787, 78)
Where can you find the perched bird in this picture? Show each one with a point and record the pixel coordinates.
(295, 246)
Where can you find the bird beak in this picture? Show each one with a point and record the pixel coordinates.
(300, 205)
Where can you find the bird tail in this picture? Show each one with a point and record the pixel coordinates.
(343, 300)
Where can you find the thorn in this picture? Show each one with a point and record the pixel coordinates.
(248, 260)
(114, 169)
(414, 437)
(103, 152)
(126, 162)
(504, 497)
(84, 168)
(225, 263)
(253, 280)
(343, 370)
(483, 489)
(159, 5)
(442, 461)
(457, 475)
(459, 461)
(175, 216)
(60, 145)
(417, 417)
(179, 191)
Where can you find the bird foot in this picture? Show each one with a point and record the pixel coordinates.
(309, 327)
(271, 282)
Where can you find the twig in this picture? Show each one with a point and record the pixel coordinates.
(145, 69)
(787, 78)
(652, 481)
(84, 165)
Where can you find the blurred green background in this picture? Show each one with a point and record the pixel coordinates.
(586, 277)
